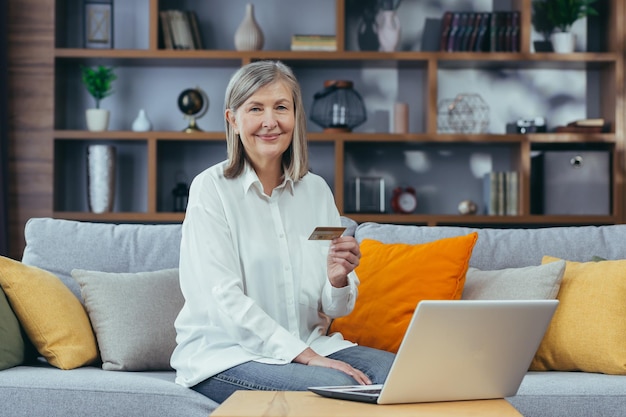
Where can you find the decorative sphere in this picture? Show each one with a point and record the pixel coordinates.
(467, 207)
(191, 101)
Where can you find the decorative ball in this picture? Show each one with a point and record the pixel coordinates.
(467, 207)
(191, 101)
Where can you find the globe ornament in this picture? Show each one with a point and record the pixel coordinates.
(193, 103)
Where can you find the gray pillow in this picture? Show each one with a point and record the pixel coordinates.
(540, 282)
(132, 315)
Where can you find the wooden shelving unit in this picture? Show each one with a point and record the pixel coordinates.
(607, 65)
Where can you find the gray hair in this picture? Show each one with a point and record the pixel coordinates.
(243, 84)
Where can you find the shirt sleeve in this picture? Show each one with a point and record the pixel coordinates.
(338, 302)
(212, 283)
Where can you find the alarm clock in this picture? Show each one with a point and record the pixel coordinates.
(404, 200)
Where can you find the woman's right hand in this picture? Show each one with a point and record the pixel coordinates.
(309, 357)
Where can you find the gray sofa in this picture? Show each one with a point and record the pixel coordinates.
(59, 246)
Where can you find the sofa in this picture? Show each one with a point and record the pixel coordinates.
(124, 279)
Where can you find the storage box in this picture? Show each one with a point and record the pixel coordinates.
(577, 182)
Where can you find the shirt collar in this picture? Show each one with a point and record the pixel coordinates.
(250, 178)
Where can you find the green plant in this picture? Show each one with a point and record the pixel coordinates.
(560, 14)
(98, 81)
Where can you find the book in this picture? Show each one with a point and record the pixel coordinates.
(588, 122)
(482, 40)
(313, 43)
(446, 24)
(195, 29)
(512, 192)
(454, 31)
(166, 30)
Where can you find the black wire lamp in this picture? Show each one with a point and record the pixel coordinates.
(338, 107)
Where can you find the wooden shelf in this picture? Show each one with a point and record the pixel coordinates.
(421, 69)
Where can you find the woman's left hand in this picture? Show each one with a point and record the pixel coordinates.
(343, 256)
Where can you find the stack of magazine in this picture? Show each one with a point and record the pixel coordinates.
(314, 43)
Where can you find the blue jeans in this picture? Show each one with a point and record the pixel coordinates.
(294, 376)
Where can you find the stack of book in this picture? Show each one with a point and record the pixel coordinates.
(583, 126)
(314, 43)
(179, 30)
(480, 32)
(500, 193)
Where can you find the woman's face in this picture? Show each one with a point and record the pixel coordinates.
(265, 123)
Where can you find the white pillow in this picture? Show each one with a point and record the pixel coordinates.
(540, 282)
(132, 315)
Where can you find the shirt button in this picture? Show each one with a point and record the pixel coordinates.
(281, 235)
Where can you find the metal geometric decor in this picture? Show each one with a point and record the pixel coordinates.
(466, 113)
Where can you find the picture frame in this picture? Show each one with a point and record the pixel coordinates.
(369, 194)
(98, 27)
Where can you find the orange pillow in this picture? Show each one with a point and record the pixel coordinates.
(394, 278)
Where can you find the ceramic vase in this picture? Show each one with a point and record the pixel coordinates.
(249, 36)
(97, 119)
(101, 166)
(563, 42)
(388, 30)
(142, 123)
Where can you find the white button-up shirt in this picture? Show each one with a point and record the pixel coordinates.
(255, 287)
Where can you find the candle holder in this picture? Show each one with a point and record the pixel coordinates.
(338, 107)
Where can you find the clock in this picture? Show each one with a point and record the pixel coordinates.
(404, 200)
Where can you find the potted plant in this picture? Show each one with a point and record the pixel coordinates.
(560, 15)
(98, 82)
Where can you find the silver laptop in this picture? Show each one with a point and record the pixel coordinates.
(459, 350)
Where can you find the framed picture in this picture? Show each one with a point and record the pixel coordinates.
(98, 25)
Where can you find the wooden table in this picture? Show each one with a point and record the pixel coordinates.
(308, 404)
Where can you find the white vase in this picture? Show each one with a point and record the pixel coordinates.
(388, 30)
(563, 42)
(101, 162)
(97, 119)
(249, 36)
(142, 123)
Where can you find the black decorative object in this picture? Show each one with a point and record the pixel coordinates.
(98, 24)
(368, 31)
(181, 196)
(338, 107)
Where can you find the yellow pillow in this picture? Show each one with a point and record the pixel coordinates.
(394, 278)
(53, 318)
(588, 330)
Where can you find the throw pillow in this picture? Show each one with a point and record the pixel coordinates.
(52, 317)
(539, 282)
(12, 346)
(588, 330)
(394, 278)
(133, 316)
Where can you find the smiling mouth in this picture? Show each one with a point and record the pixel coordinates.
(269, 136)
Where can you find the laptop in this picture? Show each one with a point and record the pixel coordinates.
(459, 350)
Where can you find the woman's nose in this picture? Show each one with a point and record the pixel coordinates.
(269, 120)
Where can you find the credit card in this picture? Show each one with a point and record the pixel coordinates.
(326, 233)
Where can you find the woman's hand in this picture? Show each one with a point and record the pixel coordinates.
(309, 357)
(343, 256)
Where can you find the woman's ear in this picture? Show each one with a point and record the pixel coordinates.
(230, 118)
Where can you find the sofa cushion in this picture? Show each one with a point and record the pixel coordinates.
(133, 316)
(12, 346)
(59, 246)
(588, 330)
(92, 391)
(54, 320)
(394, 278)
(530, 283)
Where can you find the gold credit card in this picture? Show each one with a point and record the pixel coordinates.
(326, 233)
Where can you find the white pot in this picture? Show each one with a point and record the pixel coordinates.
(563, 42)
(97, 119)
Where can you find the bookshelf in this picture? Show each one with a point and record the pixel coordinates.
(151, 76)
